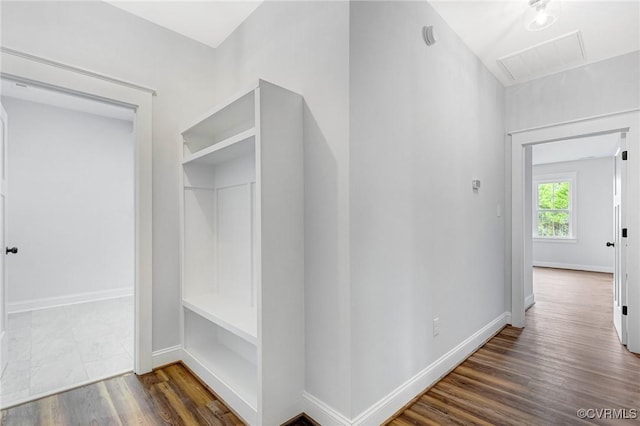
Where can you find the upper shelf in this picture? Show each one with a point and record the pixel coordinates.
(236, 146)
(221, 123)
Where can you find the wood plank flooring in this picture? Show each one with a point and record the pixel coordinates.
(167, 396)
(567, 358)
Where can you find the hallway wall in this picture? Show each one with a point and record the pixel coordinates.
(373, 146)
(425, 122)
(600, 88)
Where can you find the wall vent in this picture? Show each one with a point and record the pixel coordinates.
(546, 58)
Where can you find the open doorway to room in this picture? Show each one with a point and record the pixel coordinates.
(624, 322)
(573, 240)
(70, 287)
(573, 186)
(576, 320)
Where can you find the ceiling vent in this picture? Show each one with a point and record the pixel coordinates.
(546, 58)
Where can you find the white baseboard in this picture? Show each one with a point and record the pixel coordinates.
(590, 268)
(529, 301)
(52, 302)
(322, 413)
(398, 398)
(166, 356)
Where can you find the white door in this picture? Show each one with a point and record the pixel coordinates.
(3, 271)
(620, 243)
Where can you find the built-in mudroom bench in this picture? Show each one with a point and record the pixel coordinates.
(243, 252)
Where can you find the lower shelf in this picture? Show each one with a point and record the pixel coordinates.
(242, 404)
(225, 362)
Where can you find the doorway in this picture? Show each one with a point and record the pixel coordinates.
(29, 69)
(572, 198)
(522, 143)
(71, 215)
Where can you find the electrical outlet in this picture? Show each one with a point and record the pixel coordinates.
(436, 326)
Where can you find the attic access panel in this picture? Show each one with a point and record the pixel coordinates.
(546, 58)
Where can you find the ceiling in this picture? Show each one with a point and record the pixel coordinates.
(494, 29)
(209, 22)
(491, 29)
(576, 149)
(42, 95)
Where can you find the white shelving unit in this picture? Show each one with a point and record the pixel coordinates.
(243, 252)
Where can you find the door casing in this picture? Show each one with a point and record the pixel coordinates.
(4, 338)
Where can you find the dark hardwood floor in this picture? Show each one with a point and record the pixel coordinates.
(567, 358)
(167, 396)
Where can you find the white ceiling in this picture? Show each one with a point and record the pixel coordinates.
(64, 100)
(493, 29)
(209, 22)
(576, 149)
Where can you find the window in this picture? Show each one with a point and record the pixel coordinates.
(553, 215)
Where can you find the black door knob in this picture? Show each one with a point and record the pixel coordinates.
(13, 250)
(610, 244)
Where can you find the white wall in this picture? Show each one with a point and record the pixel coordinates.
(396, 276)
(601, 88)
(425, 121)
(304, 47)
(70, 209)
(593, 214)
(105, 39)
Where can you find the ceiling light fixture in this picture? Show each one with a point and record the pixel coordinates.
(543, 18)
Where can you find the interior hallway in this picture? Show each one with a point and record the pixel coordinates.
(567, 358)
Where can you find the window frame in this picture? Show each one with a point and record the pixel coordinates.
(570, 177)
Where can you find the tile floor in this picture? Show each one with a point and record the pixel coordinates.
(60, 348)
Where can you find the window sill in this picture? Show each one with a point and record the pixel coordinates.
(556, 240)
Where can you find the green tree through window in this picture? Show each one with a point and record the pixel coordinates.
(554, 209)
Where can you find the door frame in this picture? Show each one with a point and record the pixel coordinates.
(4, 338)
(20, 66)
(520, 143)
